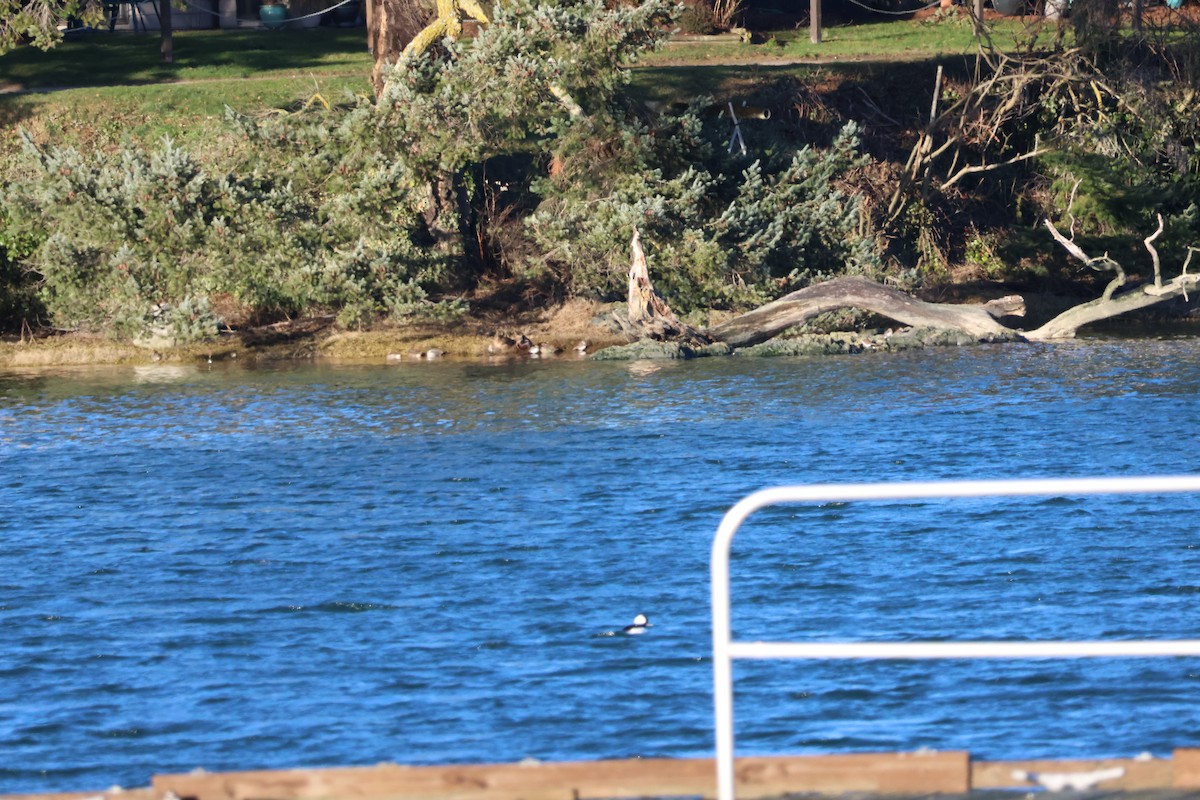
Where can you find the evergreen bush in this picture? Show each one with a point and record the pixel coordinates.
(382, 207)
(19, 305)
(726, 233)
(142, 241)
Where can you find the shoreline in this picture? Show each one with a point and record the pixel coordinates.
(469, 339)
(563, 327)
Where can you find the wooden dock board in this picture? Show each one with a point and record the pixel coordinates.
(1139, 775)
(1187, 768)
(948, 773)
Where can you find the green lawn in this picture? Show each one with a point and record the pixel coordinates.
(941, 35)
(109, 59)
(104, 59)
(183, 110)
(121, 88)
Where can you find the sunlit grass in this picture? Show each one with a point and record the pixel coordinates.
(951, 34)
(192, 114)
(122, 89)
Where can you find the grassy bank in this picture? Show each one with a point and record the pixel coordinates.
(931, 35)
(97, 90)
(104, 59)
(306, 205)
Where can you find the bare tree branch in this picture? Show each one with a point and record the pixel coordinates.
(970, 170)
(1148, 241)
(1100, 263)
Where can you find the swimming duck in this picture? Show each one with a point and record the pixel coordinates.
(640, 623)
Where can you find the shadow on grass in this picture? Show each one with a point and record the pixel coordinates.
(814, 100)
(107, 59)
(14, 111)
(691, 79)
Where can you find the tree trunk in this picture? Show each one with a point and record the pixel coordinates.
(166, 27)
(448, 216)
(391, 25)
(772, 319)
(648, 315)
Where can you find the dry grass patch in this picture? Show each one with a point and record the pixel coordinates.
(75, 350)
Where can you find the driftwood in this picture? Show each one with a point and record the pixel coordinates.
(1110, 304)
(1066, 324)
(649, 316)
(774, 318)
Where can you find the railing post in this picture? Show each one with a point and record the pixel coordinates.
(725, 649)
(722, 662)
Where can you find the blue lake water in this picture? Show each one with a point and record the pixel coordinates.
(235, 568)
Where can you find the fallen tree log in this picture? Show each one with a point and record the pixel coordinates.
(772, 319)
(1110, 305)
(649, 316)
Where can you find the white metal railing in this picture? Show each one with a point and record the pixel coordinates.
(725, 649)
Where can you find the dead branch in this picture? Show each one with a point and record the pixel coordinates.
(1148, 241)
(875, 108)
(1191, 251)
(1068, 244)
(1066, 324)
(971, 170)
(1100, 263)
(933, 118)
(768, 321)
(977, 116)
(919, 161)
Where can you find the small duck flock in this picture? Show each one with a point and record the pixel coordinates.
(505, 345)
(500, 345)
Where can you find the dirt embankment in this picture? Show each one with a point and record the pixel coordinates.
(556, 332)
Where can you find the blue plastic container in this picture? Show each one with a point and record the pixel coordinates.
(273, 15)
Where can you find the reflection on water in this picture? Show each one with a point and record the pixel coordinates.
(220, 567)
(164, 373)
